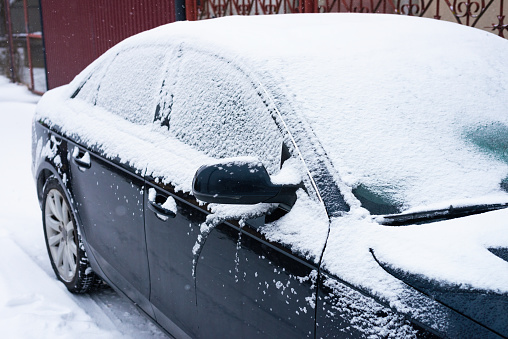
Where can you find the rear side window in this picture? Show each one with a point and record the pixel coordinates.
(132, 83)
(217, 109)
(89, 89)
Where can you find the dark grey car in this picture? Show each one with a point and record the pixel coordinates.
(263, 188)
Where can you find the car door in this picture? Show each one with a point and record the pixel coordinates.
(108, 190)
(213, 275)
(110, 204)
(170, 238)
(256, 287)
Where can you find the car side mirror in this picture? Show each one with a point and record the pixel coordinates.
(240, 182)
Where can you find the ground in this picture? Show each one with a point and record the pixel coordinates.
(33, 304)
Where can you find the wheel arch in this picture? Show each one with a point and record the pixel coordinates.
(44, 172)
(41, 179)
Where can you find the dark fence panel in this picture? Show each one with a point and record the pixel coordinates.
(76, 32)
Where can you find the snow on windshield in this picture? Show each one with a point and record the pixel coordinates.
(409, 122)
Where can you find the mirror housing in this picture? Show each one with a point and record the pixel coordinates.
(240, 182)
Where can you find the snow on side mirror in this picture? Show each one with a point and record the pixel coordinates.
(240, 181)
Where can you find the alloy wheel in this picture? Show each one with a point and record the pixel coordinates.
(60, 233)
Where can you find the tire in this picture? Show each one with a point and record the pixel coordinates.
(63, 242)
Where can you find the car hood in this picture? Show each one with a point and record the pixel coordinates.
(462, 263)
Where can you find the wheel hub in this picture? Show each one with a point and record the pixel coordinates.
(63, 231)
(60, 235)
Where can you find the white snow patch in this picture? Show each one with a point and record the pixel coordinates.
(45, 306)
(304, 228)
(452, 253)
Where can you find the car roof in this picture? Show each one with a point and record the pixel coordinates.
(274, 36)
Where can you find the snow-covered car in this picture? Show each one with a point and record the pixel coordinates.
(287, 176)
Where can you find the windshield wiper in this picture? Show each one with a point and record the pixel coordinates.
(436, 215)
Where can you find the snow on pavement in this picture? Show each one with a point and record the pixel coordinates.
(33, 304)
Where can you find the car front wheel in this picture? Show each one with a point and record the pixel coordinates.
(65, 248)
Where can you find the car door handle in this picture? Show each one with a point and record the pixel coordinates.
(161, 212)
(81, 158)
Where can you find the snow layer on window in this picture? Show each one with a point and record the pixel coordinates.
(401, 140)
(404, 125)
(132, 83)
(217, 110)
(89, 82)
(147, 148)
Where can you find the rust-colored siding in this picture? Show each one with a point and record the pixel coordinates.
(76, 32)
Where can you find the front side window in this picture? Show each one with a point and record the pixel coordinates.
(217, 109)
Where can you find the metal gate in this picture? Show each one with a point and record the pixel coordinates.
(483, 14)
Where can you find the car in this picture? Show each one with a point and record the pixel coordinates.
(286, 176)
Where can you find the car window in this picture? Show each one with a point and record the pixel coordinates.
(131, 84)
(217, 109)
(87, 91)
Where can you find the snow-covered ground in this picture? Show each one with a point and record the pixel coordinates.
(33, 304)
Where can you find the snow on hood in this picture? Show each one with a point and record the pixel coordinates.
(460, 262)
(453, 252)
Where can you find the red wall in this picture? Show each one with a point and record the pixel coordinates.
(76, 32)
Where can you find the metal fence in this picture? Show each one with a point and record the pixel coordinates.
(21, 47)
(483, 14)
(77, 31)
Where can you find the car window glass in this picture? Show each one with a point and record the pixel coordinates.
(88, 90)
(131, 83)
(217, 109)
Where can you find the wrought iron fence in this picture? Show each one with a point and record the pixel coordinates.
(483, 14)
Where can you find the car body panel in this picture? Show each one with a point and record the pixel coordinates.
(258, 288)
(110, 204)
(170, 243)
(486, 308)
(344, 311)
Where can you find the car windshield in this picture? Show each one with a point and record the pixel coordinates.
(409, 124)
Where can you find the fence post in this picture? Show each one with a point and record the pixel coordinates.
(11, 42)
(308, 6)
(191, 10)
(28, 47)
(501, 26)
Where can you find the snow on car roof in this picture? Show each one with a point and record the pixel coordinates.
(410, 110)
